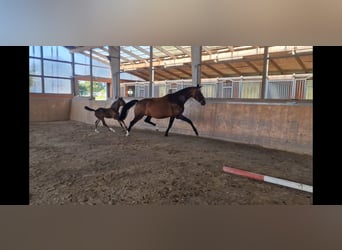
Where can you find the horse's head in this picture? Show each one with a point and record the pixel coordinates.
(198, 96)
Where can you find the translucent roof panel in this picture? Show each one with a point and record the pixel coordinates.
(101, 51)
(168, 51)
(133, 53)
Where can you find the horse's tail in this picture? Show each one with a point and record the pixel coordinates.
(90, 109)
(125, 109)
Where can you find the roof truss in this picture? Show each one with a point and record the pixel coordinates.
(174, 62)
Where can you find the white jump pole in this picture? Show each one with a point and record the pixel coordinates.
(259, 177)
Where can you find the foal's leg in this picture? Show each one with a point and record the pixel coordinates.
(148, 120)
(104, 123)
(170, 125)
(183, 118)
(96, 124)
(123, 125)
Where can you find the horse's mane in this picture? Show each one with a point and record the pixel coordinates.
(186, 92)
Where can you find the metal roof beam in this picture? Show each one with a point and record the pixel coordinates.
(81, 49)
(276, 65)
(142, 50)
(253, 67)
(103, 57)
(207, 50)
(184, 50)
(233, 68)
(183, 71)
(132, 54)
(158, 73)
(299, 61)
(121, 57)
(105, 61)
(139, 74)
(213, 69)
(171, 73)
(165, 52)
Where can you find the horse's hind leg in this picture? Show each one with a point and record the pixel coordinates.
(183, 118)
(105, 124)
(170, 125)
(148, 120)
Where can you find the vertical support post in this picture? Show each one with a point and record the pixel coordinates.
(114, 59)
(196, 57)
(42, 67)
(74, 88)
(91, 76)
(240, 86)
(293, 86)
(265, 73)
(150, 86)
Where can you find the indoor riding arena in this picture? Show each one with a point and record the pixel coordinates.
(257, 117)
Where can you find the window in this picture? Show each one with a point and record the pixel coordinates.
(35, 66)
(84, 88)
(58, 69)
(227, 89)
(83, 70)
(35, 51)
(99, 89)
(57, 86)
(250, 89)
(57, 53)
(79, 58)
(36, 84)
(55, 76)
(309, 90)
(209, 90)
(101, 72)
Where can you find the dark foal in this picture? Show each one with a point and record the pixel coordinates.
(112, 112)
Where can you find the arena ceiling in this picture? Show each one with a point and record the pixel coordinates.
(174, 62)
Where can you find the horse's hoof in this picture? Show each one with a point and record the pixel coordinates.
(111, 129)
(96, 131)
(127, 133)
(157, 129)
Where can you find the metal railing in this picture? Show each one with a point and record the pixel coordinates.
(277, 87)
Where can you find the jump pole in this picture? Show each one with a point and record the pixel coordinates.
(265, 178)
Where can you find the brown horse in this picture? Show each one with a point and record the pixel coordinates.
(170, 105)
(112, 112)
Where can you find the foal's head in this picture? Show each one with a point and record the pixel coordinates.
(118, 103)
(197, 95)
(121, 101)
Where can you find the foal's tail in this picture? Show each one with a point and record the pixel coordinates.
(125, 109)
(90, 109)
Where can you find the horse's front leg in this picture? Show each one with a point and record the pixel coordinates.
(183, 118)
